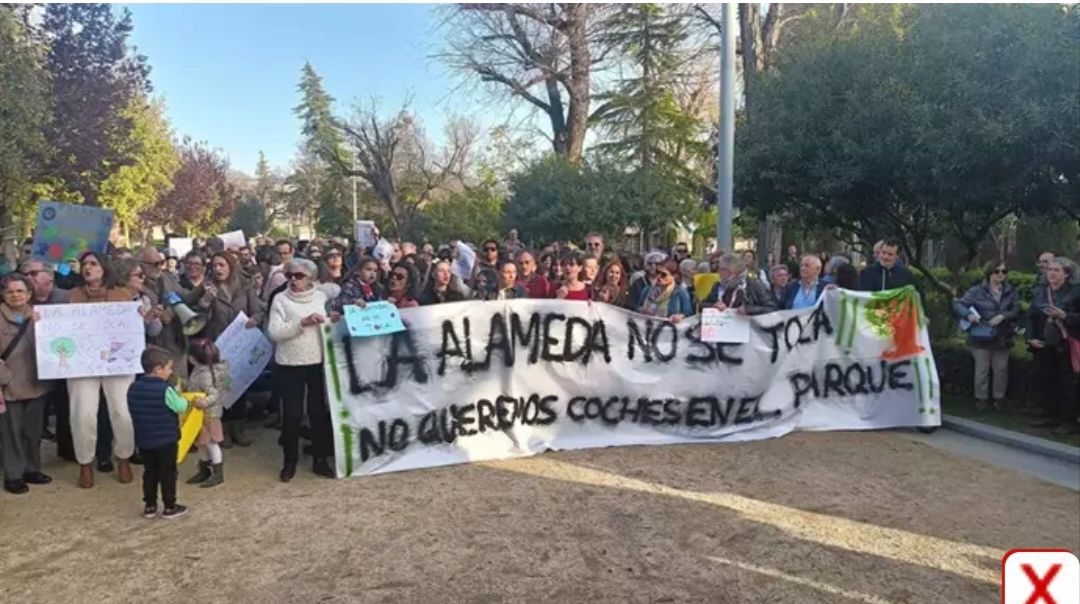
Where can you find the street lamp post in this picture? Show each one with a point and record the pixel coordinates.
(726, 139)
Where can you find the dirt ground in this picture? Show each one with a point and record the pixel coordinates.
(811, 517)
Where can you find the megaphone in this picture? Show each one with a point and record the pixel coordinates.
(191, 322)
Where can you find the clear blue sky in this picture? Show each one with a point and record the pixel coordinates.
(229, 72)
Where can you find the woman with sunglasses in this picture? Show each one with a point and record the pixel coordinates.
(23, 394)
(295, 319)
(332, 266)
(990, 310)
(132, 275)
(84, 393)
(401, 286)
(573, 288)
(664, 298)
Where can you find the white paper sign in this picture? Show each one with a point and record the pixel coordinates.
(233, 240)
(365, 233)
(181, 245)
(463, 264)
(247, 351)
(473, 381)
(724, 326)
(87, 340)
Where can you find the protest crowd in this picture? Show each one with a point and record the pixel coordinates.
(288, 289)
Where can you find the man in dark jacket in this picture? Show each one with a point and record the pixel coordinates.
(734, 290)
(886, 273)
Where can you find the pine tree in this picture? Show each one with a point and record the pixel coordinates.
(642, 116)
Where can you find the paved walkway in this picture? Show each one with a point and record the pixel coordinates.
(1046, 468)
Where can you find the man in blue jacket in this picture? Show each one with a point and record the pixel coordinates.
(805, 292)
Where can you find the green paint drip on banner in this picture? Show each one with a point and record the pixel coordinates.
(346, 435)
(331, 360)
(929, 376)
(843, 315)
(918, 380)
(854, 323)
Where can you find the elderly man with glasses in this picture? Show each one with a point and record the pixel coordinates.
(594, 245)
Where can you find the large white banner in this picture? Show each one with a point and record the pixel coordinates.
(471, 381)
(85, 340)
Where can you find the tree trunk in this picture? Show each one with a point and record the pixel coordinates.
(577, 116)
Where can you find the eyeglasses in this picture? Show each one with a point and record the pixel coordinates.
(1001, 271)
(296, 276)
(398, 276)
(159, 263)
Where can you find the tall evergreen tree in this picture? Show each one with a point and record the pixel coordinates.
(95, 76)
(641, 115)
(324, 152)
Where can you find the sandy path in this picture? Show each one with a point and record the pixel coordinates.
(838, 517)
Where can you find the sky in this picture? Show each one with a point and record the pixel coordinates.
(229, 73)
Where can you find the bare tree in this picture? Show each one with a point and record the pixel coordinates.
(394, 158)
(540, 53)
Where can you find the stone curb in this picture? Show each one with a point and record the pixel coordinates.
(1033, 444)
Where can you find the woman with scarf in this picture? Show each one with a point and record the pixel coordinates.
(295, 319)
(664, 299)
(84, 393)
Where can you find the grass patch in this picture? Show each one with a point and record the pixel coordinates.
(1015, 417)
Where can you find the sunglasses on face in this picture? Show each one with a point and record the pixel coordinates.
(1001, 271)
(159, 263)
(296, 276)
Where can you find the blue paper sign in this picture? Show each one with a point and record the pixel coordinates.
(375, 319)
(65, 230)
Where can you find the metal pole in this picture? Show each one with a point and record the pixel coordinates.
(726, 142)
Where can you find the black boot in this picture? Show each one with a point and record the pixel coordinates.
(236, 433)
(202, 475)
(217, 476)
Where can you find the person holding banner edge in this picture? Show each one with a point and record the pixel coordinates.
(83, 392)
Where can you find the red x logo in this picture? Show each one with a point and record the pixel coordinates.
(1041, 589)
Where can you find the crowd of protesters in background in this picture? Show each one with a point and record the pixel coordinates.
(289, 288)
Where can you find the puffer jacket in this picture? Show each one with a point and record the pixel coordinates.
(982, 300)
